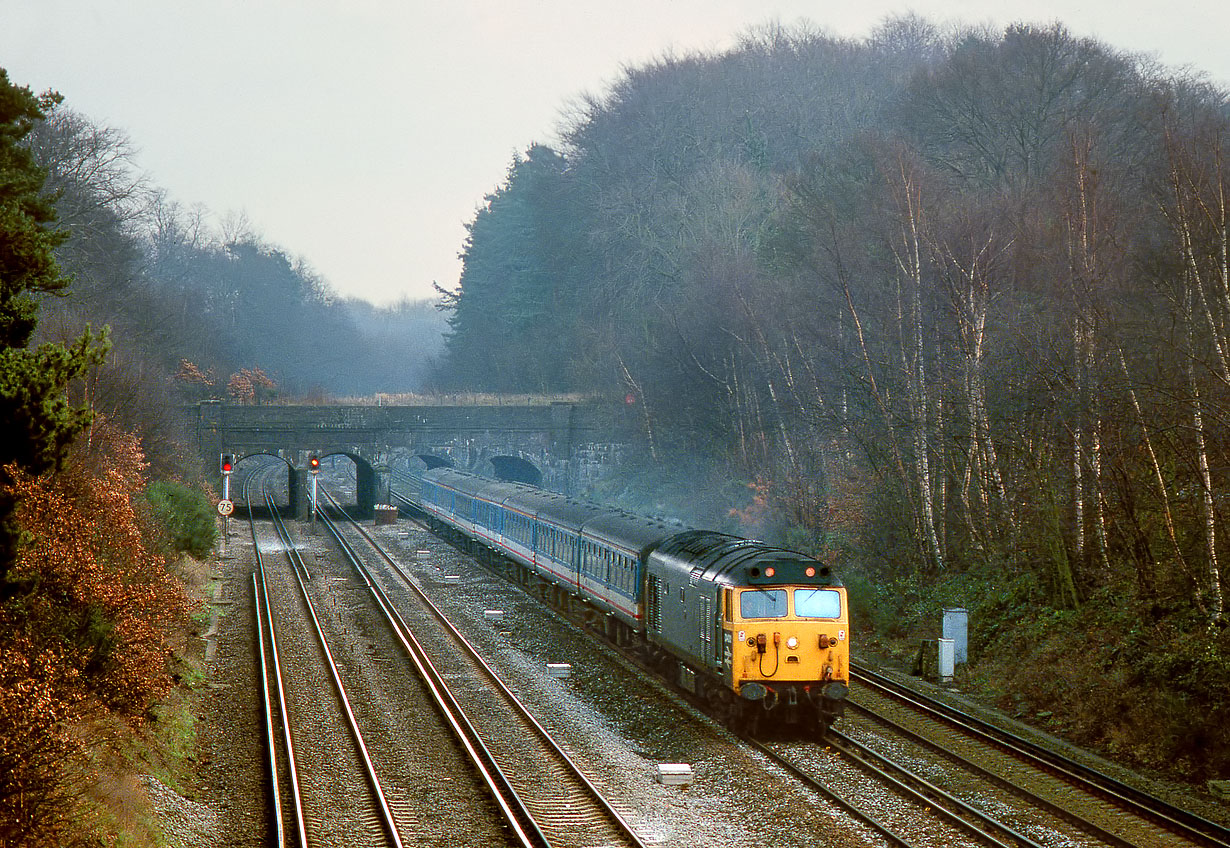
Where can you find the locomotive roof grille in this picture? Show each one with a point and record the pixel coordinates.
(731, 561)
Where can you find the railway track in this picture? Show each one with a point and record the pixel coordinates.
(1106, 809)
(818, 784)
(384, 774)
(1028, 809)
(324, 793)
(279, 744)
(547, 798)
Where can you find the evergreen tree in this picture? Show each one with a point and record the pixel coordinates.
(514, 326)
(36, 422)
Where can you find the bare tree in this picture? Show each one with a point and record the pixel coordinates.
(1199, 217)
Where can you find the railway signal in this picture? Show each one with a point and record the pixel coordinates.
(228, 465)
(314, 467)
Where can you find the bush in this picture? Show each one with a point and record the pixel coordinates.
(1147, 690)
(86, 614)
(184, 516)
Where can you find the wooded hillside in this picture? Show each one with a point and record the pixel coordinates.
(957, 302)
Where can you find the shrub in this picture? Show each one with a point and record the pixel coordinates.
(84, 620)
(184, 516)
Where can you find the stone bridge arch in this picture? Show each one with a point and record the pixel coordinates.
(568, 443)
(292, 477)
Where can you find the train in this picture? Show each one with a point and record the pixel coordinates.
(759, 634)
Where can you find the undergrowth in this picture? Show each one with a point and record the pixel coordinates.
(1145, 686)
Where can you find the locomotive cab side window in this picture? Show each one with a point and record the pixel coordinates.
(817, 603)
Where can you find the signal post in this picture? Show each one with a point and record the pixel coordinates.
(314, 467)
(226, 506)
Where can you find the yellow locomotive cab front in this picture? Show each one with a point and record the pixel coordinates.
(789, 645)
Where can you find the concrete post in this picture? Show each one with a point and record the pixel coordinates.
(365, 486)
(303, 508)
(947, 663)
(293, 490)
(383, 484)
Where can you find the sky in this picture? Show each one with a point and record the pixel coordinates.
(361, 135)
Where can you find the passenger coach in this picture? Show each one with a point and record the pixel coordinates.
(750, 628)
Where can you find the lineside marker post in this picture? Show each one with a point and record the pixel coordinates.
(228, 465)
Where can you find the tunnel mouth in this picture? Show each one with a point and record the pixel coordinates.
(514, 469)
(433, 461)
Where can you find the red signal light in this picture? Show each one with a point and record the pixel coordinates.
(227, 464)
(314, 464)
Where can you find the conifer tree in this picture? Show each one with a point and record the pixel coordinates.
(36, 422)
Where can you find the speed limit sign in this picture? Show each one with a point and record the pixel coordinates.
(226, 507)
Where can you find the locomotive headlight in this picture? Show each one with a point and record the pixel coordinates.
(792, 642)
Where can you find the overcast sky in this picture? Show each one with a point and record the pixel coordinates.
(362, 134)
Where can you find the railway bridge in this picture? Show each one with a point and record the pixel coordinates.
(568, 443)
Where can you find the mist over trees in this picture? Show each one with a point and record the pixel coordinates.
(101, 493)
(985, 261)
(175, 289)
(958, 300)
(953, 304)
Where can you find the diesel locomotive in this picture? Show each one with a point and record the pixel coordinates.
(760, 634)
